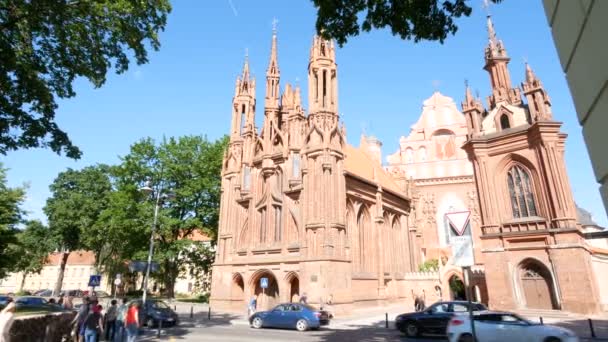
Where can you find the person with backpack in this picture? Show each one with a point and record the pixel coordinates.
(93, 325)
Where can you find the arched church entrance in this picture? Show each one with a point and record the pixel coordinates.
(457, 289)
(293, 284)
(267, 297)
(536, 285)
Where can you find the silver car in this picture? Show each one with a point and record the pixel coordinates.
(494, 326)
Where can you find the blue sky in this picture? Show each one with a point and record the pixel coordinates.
(188, 85)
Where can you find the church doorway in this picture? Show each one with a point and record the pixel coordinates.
(457, 289)
(267, 298)
(294, 288)
(537, 286)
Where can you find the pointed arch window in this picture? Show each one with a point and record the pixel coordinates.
(520, 192)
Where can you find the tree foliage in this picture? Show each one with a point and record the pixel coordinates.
(189, 168)
(408, 19)
(10, 216)
(78, 197)
(46, 44)
(32, 249)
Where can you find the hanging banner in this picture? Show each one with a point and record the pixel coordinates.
(458, 221)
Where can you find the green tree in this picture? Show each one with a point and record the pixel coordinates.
(409, 19)
(33, 249)
(10, 216)
(188, 167)
(45, 45)
(78, 197)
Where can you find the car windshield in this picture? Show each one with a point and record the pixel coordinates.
(31, 301)
(159, 305)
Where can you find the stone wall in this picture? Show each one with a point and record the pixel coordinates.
(423, 285)
(42, 328)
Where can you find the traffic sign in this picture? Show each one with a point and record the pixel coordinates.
(264, 283)
(94, 280)
(462, 251)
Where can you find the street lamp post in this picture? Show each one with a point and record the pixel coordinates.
(159, 195)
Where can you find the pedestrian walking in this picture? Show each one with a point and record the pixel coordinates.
(7, 316)
(121, 318)
(132, 322)
(60, 300)
(304, 299)
(78, 321)
(93, 324)
(253, 304)
(110, 320)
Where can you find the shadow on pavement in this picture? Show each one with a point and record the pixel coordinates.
(186, 325)
(583, 330)
(373, 332)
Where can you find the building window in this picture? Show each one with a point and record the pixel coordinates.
(263, 224)
(520, 192)
(277, 223)
(246, 178)
(296, 166)
(409, 155)
(422, 153)
(504, 121)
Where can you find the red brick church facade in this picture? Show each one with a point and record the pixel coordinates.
(312, 214)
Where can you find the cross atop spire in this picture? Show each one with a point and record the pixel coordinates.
(275, 21)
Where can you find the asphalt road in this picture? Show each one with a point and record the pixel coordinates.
(243, 333)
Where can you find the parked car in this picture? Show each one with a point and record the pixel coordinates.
(32, 303)
(73, 293)
(495, 326)
(433, 320)
(156, 311)
(4, 301)
(291, 315)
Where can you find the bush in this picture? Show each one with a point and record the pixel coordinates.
(431, 265)
(204, 298)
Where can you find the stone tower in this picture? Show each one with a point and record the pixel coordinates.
(534, 252)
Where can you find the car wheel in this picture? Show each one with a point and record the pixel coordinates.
(465, 338)
(552, 339)
(411, 329)
(302, 325)
(150, 322)
(256, 323)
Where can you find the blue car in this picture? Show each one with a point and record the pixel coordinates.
(290, 315)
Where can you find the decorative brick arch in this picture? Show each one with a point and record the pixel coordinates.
(266, 298)
(292, 287)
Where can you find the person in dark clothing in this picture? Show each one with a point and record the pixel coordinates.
(111, 314)
(93, 325)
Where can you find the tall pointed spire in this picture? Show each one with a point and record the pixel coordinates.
(530, 76)
(472, 109)
(245, 75)
(272, 73)
(496, 65)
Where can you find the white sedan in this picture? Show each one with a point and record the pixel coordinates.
(492, 326)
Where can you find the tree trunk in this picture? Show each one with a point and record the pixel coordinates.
(170, 276)
(23, 282)
(59, 283)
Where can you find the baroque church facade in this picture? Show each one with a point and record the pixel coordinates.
(304, 212)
